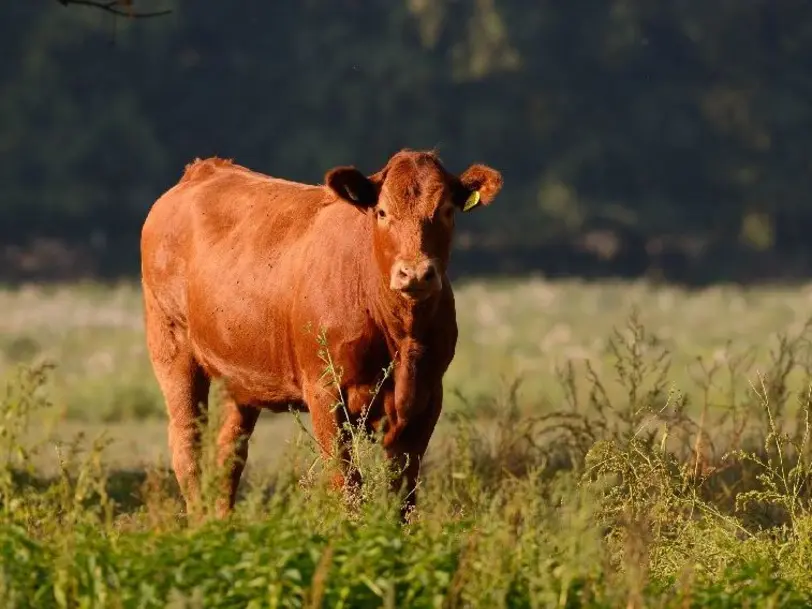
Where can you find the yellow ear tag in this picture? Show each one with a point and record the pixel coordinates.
(472, 201)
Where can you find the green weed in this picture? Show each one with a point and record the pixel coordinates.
(617, 496)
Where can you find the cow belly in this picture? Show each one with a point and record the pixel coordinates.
(251, 374)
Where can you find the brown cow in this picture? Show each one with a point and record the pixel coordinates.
(236, 265)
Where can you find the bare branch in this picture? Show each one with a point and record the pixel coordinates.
(112, 6)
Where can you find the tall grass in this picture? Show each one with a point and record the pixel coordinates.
(617, 498)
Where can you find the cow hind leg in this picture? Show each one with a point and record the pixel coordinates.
(185, 388)
(232, 449)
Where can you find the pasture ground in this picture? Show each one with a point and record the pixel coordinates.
(603, 445)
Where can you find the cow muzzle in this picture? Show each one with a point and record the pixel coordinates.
(416, 281)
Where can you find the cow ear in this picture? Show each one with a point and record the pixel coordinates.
(352, 186)
(480, 185)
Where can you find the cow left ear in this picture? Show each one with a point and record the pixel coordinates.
(352, 186)
(480, 185)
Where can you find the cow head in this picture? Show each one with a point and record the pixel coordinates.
(410, 205)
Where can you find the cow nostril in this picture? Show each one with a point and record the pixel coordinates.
(430, 273)
(403, 273)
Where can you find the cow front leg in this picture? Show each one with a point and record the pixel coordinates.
(406, 442)
(327, 419)
(232, 450)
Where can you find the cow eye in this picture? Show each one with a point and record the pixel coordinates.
(381, 214)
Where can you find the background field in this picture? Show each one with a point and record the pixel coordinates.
(510, 331)
(581, 461)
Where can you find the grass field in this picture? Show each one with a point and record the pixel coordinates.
(582, 461)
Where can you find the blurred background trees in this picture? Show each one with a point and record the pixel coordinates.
(657, 137)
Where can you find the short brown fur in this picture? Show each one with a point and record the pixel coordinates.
(237, 266)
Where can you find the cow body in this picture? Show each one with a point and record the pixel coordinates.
(241, 272)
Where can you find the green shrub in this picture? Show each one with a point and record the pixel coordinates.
(613, 501)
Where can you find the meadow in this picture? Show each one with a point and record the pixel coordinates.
(606, 444)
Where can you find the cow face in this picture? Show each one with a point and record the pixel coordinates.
(411, 204)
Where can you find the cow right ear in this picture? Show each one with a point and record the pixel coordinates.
(352, 186)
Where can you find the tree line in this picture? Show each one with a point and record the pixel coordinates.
(667, 138)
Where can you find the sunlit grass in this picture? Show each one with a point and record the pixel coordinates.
(614, 499)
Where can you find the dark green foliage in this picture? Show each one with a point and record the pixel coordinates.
(682, 129)
(274, 563)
